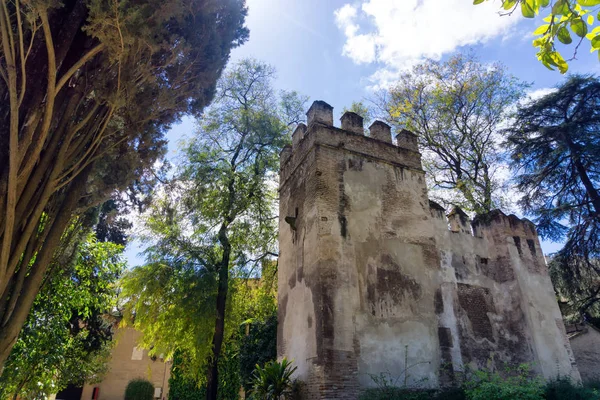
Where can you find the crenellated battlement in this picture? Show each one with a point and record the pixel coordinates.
(373, 274)
(320, 131)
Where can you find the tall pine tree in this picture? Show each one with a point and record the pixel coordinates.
(555, 147)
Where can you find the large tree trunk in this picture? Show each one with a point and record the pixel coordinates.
(583, 175)
(12, 323)
(217, 342)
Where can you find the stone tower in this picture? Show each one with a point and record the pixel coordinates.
(373, 278)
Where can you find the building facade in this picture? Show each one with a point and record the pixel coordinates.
(128, 362)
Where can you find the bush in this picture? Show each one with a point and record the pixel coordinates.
(564, 388)
(485, 385)
(185, 384)
(139, 389)
(257, 348)
(273, 381)
(395, 393)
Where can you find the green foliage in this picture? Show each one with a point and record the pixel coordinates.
(215, 221)
(564, 388)
(273, 381)
(257, 348)
(99, 83)
(258, 308)
(183, 387)
(555, 149)
(139, 389)
(65, 339)
(562, 17)
(487, 385)
(456, 108)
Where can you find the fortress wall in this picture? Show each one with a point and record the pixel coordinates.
(374, 279)
(499, 302)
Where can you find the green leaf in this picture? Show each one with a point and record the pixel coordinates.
(561, 7)
(544, 3)
(596, 42)
(579, 27)
(527, 9)
(590, 19)
(541, 29)
(559, 61)
(478, 1)
(593, 33)
(564, 36)
(588, 3)
(508, 4)
(547, 61)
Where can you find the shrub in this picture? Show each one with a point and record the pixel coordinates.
(395, 393)
(273, 381)
(486, 385)
(139, 389)
(257, 348)
(564, 388)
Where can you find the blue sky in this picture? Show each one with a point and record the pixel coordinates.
(337, 51)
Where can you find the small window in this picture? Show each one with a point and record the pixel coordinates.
(137, 354)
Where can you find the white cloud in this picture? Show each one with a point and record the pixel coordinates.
(539, 93)
(399, 33)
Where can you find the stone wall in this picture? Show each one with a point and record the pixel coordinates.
(372, 280)
(585, 341)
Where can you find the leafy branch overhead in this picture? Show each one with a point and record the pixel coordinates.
(87, 90)
(567, 21)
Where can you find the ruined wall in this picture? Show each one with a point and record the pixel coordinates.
(585, 341)
(371, 280)
(496, 298)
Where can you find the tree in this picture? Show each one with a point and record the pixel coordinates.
(88, 88)
(65, 339)
(562, 16)
(217, 219)
(555, 148)
(456, 108)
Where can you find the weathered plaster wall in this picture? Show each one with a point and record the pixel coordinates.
(586, 347)
(371, 276)
(499, 303)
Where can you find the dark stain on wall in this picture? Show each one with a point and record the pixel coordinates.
(500, 269)
(517, 240)
(459, 263)
(502, 341)
(445, 337)
(477, 302)
(390, 284)
(438, 301)
(343, 205)
(281, 309)
(531, 245)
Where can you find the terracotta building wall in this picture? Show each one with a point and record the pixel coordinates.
(128, 363)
